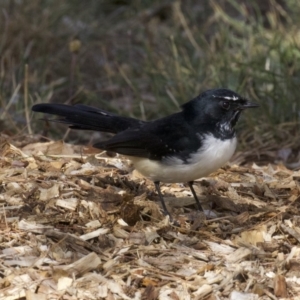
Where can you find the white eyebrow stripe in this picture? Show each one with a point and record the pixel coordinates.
(234, 98)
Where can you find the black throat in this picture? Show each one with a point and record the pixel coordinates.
(225, 128)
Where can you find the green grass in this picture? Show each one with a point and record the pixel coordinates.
(145, 58)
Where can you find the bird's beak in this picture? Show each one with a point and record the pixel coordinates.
(248, 104)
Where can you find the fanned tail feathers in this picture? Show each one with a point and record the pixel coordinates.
(88, 118)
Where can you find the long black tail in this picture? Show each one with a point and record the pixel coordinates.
(89, 118)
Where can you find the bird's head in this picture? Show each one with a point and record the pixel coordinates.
(218, 107)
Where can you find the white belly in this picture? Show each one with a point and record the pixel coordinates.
(214, 154)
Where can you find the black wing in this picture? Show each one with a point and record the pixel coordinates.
(156, 140)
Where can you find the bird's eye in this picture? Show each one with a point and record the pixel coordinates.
(225, 104)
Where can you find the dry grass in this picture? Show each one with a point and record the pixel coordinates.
(146, 58)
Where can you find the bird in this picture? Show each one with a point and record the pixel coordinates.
(180, 147)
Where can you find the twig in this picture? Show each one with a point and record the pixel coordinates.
(26, 100)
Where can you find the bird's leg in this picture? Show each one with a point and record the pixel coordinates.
(190, 183)
(161, 198)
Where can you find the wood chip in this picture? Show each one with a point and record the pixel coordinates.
(280, 287)
(85, 264)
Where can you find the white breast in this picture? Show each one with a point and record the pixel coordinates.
(213, 155)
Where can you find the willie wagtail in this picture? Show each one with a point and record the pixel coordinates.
(181, 147)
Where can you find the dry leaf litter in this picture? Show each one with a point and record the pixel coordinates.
(81, 225)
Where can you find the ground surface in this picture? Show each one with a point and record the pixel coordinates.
(79, 226)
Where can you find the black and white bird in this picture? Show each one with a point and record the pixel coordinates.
(181, 147)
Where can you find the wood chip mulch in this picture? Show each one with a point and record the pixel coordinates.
(80, 225)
